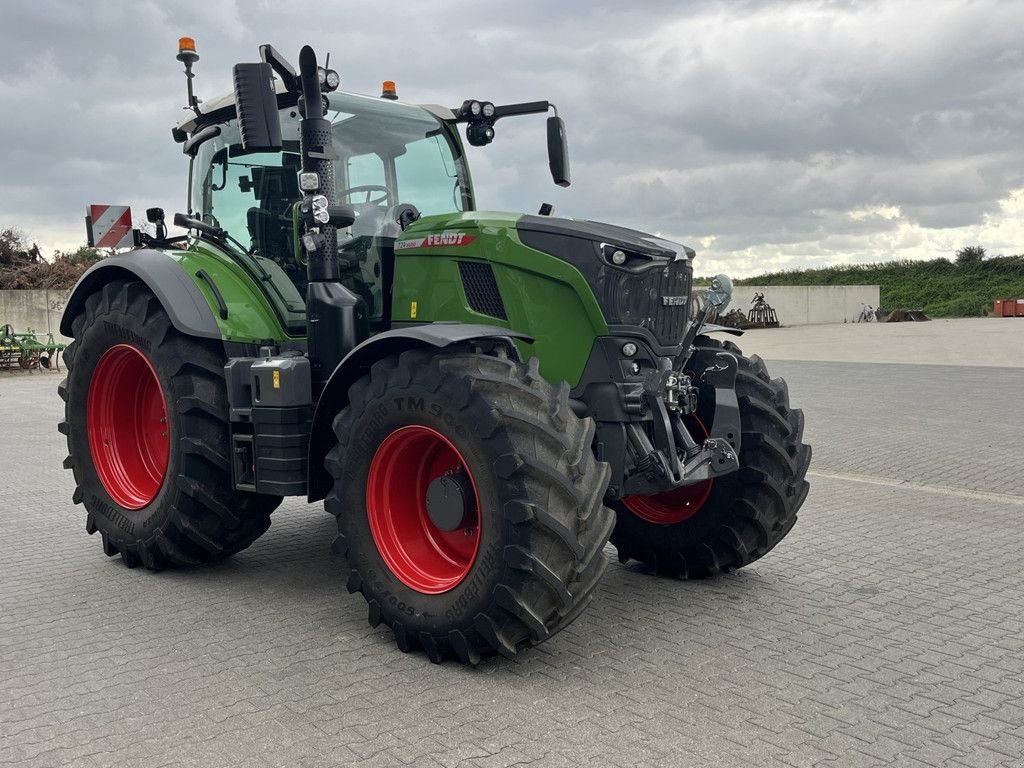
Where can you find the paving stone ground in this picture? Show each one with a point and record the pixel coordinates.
(886, 629)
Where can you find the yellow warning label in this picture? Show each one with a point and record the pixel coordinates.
(412, 309)
(277, 379)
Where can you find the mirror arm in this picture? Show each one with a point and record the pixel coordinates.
(526, 108)
(284, 69)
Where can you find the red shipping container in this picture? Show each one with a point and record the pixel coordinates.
(1005, 307)
(1019, 304)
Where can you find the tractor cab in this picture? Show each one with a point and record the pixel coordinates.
(393, 163)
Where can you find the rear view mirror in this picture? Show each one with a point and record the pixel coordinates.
(256, 102)
(558, 151)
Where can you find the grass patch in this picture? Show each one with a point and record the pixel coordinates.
(940, 287)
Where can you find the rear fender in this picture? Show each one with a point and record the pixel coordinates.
(356, 364)
(180, 297)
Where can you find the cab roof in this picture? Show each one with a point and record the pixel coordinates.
(221, 108)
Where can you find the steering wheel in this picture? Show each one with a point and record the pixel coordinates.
(368, 190)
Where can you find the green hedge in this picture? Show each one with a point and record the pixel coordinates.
(939, 287)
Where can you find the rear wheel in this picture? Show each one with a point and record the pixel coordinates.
(469, 503)
(724, 524)
(146, 424)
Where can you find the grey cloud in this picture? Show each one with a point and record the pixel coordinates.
(756, 123)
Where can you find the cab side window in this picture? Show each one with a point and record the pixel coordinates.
(419, 169)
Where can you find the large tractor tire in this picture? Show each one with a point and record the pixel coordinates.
(146, 420)
(723, 524)
(469, 503)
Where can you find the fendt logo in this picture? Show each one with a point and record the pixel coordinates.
(442, 240)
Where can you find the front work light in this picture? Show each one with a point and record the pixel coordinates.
(480, 134)
(470, 109)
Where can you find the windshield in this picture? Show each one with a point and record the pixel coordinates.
(387, 155)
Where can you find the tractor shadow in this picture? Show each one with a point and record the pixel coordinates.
(291, 572)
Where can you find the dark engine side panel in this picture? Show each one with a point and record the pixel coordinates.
(647, 296)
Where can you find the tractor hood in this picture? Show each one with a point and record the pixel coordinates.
(542, 232)
(640, 282)
(609, 235)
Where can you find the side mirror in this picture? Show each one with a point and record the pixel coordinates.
(558, 151)
(341, 216)
(256, 102)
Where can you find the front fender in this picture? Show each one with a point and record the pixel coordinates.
(357, 362)
(180, 297)
(714, 328)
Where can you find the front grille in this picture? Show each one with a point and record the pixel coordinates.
(482, 289)
(649, 298)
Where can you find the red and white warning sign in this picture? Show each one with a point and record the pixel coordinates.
(110, 226)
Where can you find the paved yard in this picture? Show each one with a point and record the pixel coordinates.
(887, 629)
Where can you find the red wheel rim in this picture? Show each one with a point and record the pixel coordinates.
(421, 555)
(678, 504)
(126, 418)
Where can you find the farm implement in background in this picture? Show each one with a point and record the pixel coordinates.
(28, 350)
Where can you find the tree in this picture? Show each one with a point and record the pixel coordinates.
(970, 255)
(85, 255)
(22, 265)
(14, 250)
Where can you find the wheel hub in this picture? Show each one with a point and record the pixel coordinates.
(423, 509)
(449, 499)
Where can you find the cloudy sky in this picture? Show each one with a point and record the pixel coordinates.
(763, 134)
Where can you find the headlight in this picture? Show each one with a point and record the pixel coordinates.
(619, 256)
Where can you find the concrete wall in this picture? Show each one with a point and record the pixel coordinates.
(809, 304)
(38, 310)
(795, 305)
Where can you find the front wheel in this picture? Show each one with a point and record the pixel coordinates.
(726, 523)
(469, 503)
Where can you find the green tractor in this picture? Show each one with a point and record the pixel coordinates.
(483, 400)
